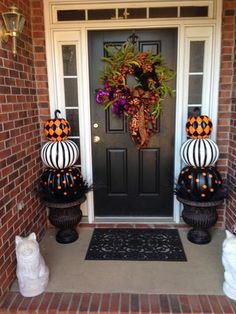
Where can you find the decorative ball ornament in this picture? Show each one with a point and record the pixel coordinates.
(200, 184)
(199, 152)
(57, 129)
(199, 126)
(64, 184)
(60, 155)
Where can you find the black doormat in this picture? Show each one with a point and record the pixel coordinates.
(136, 245)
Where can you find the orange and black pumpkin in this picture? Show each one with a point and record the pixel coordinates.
(199, 126)
(199, 183)
(62, 185)
(57, 129)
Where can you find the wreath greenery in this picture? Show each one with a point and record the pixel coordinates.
(143, 102)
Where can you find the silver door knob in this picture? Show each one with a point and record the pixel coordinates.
(96, 139)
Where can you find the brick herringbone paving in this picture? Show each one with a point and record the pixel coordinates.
(120, 303)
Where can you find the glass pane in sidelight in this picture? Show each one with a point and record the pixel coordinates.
(194, 11)
(191, 110)
(69, 60)
(72, 115)
(71, 92)
(129, 13)
(196, 56)
(71, 15)
(195, 89)
(105, 14)
(163, 12)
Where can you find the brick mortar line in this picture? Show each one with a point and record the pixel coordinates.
(109, 304)
(59, 303)
(49, 303)
(225, 300)
(149, 304)
(10, 302)
(209, 301)
(119, 304)
(69, 303)
(39, 304)
(73, 294)
(100, 303)
(90, 301)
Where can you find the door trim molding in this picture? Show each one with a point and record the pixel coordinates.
(82, 29)
(137, 220)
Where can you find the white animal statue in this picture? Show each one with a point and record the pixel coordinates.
(229, 263)
(31, 270)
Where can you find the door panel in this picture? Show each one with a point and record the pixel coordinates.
(128, 181)
(149, 171)
(117, 171)
(115, 125)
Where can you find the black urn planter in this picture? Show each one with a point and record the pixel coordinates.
(65, 217)
(201, 216)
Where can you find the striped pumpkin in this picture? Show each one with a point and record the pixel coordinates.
(60, 155)
(199, 152)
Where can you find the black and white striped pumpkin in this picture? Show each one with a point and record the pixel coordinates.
(199, 152)
(60, 155)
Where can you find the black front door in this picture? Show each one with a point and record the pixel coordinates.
(128, 181)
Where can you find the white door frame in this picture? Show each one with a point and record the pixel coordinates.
(188, 29)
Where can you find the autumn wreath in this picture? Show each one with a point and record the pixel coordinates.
(143, 102)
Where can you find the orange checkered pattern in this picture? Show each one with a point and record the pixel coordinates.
(57, 129)
(199, 127)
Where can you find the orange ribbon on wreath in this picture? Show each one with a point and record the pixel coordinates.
(143, 123)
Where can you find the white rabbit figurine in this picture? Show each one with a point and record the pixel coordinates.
(31, 271)
(229, 263)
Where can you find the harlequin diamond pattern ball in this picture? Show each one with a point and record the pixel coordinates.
(57, 129)
(199, 127)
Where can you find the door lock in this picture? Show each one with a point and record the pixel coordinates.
(95, 125)
(96, 139)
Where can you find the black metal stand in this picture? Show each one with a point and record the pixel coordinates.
(201, 216)
(65, 216)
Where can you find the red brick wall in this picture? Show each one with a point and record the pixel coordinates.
(227, 110)
(231, 204)
(40, 60)
(23, 92)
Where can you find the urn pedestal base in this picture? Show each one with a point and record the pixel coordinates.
(201, 216)
(67, 235)
(65, 216)
(199, 236)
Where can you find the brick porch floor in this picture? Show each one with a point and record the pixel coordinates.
(120, 303)
(81, 303)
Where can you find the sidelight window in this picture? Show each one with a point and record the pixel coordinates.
(195, 75)
(70, 79)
